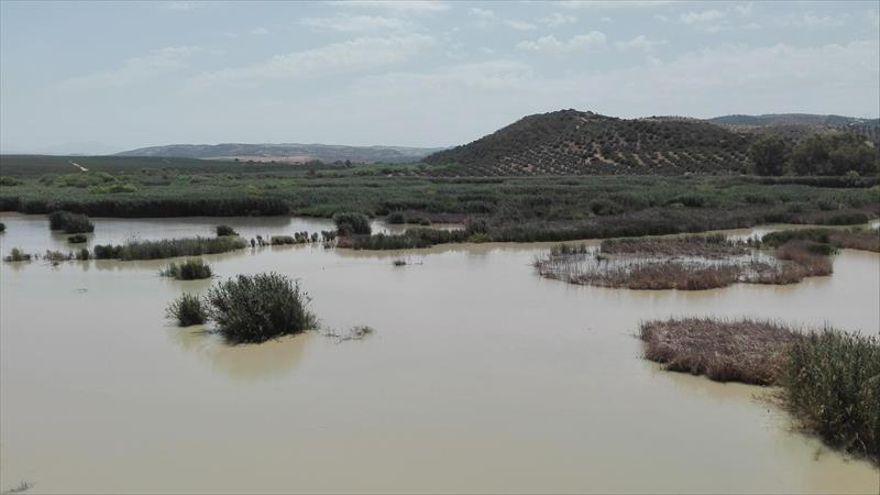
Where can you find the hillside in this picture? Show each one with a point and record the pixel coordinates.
(291, 153)
(800, 119)
(574, 142)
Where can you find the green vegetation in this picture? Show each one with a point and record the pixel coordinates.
(831, 382)
(70, 223)
(191, 269)
(260, 307)
(17, 254)
(77, 239)
(2, 227)
(862, 239)
(834, 154)
(769, 155)
(280, 240)
(169, 248)
(187, 310)
(351, 223)
(224, 230)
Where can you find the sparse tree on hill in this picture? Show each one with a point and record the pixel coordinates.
(769, 155)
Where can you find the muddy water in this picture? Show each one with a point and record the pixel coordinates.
(482, 377)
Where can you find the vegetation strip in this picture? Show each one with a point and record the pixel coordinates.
(830, 380)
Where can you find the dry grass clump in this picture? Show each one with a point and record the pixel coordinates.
(746, 351)
(684, 263)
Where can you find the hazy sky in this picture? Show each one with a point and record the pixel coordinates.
(98, 77)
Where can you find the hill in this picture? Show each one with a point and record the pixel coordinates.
(286, 152)
(798, 119)
(574, 142)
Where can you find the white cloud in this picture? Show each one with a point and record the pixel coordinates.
(811, 20)
(412, 6)
(640, 42)
(136, 70)
(355, 23)
(700, 17)
(613, 4)
(259, 31)
(484, 14)
(181, 6)
(519, 25)
(346, 57)
(557, 19)
(550, 44)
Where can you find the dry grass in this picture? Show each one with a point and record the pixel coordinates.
(707, 246)
(862, 239)
(746, 351)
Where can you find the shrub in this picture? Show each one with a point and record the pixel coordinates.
(56, 257)
(259, 307)
(77, 239)
(224, 230)
(170, 248)
(17, 255)
(769, 155)
(395, 217)
(2, 227)
(352, 223)
(187, 310)
(831, 382)
(83, 255)
(70, 223)
(192, 269)
(280, 240)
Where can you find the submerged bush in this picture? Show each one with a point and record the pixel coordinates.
(224, 230)
(17, 255)
(831, 382)
(259, 307)
(352, 223)
(169, 248)
(187, 310)
(280, 240)
(192, 269)
(2, 227)
(70, 223)
(77, 239)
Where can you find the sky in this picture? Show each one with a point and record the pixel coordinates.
(104, 77)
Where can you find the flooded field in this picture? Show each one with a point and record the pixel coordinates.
(481, 377)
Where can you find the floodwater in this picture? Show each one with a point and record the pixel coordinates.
(481, 377)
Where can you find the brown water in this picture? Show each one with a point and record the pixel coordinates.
(482, 377)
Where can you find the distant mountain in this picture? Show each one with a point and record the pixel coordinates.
(786, 119)
(574, 142)
(292, 153)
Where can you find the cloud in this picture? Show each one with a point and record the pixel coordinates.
(812, 20)
(351, 56)
(613, 4)
(519, 25)
(557, 19)
(549, 44)
(136, 70)
(259, 31)
(355, 23)
(484, 14)
(181, 6)
(701, 17)
(410, 6)
(640, 42)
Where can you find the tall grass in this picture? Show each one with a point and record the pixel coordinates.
(224, 230)
(77, 239)
(16, 254)
(70, 223)
(831, 382)
(188, 310)
(862, 239)
(352, 223)
(191, 269)
(169, 248)
(259, 307)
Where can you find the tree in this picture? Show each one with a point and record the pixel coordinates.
(835, 154)
(769, 155)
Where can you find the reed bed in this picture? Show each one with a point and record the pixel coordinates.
(70, 223)
(861, 239)
(191, 269)
(187, 310)
(169, 248)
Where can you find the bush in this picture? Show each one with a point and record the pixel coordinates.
(169, 248)
(280, 240)
(70, 223)
(77, 239)
(83, 255)
(831, 382)
(395, 217)
(224, 230)
(187, 310)
(17, 255)
(2, 227)
(260, 307)
(769, 155)
(352, 223)
(192, 269)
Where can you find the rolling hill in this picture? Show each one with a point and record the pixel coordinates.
(575, 142)
(286, 152)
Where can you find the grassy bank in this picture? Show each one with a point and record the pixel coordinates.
(830, 380)
(511, 209)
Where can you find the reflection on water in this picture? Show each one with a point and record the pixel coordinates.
(479, 368)
(245, 361)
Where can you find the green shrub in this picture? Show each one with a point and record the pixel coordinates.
(259, 307)
(77, 239)
(2, 227)
(83, 255)
(70, 223)
(831, 381)
(395, 217)
(280, 240)
(187, 310)
(224, 230)
(17, 255)
(169, 248)
(192, 269)
(352, 223)
(9, 181)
